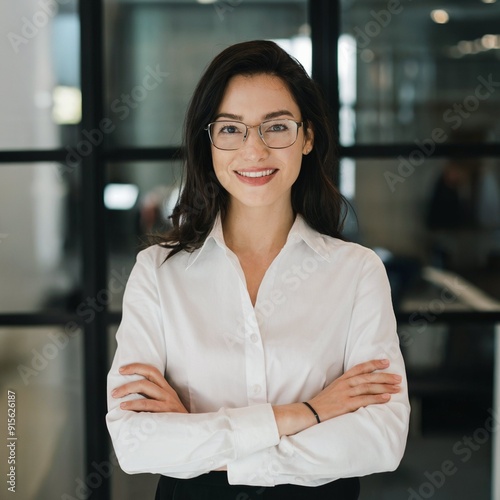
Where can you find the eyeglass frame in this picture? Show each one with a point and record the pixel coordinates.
(259, 131)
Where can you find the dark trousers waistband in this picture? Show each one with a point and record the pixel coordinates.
(214, 486)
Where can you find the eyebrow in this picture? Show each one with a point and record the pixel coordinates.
(268, 116)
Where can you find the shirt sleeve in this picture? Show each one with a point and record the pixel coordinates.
(367, 441)
(173, 444)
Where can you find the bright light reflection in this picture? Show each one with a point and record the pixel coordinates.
(67, 108)
(120, 196)
(440, 16)
(489, 41)
(299, 47)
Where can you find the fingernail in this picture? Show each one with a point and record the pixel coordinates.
(123, 405)
(121, 369)
(384, 361)
(398, 378)
(114, 393)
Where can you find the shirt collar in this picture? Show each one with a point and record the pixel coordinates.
(215, 235)
(300, 231)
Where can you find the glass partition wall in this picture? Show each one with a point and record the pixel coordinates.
(419, 135)
(90, 164)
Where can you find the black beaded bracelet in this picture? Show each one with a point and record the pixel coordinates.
(314, 411)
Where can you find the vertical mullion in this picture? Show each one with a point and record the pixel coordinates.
(93, 241)
(324, 19)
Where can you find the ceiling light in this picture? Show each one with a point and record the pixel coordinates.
(465, 47)
(489, 41)
(67, 108)
(206, 1)
(489, 1)
(120, 196)
(440, 16)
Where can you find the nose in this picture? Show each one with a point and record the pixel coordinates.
(253, 146)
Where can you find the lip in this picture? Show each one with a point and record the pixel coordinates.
(256, 181)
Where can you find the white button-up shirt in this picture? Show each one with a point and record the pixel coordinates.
(323, 306)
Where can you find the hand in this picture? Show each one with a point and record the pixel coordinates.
(158, 394)
(362, 385)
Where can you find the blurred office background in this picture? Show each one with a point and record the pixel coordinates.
(93, 98)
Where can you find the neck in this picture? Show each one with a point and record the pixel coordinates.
(260, 230)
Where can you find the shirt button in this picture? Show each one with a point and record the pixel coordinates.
(257, 388)
(254, 338)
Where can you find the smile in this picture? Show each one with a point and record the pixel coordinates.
(262, 173)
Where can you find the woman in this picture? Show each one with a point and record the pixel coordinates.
(254, 347)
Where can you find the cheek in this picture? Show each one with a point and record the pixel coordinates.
(294, 161)
(221, 164)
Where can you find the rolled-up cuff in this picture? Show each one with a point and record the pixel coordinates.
(254, 428)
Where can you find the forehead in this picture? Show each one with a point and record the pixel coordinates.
(252, 95)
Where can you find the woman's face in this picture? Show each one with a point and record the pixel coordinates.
(255, 175)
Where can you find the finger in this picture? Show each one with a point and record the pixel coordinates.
(367, 367)
(149, 405)
(366, 389)
(144, 387)
(149, 372)
(153, 406)
(367, 400)
(375, 378)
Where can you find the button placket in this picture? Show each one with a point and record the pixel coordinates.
(254, 357)
(254, 349)
(254, 346)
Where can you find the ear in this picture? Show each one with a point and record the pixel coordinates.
(308, 138)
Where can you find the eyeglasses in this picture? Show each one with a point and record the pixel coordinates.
(275, 134)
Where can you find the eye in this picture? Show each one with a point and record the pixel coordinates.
(229, 128)
(277, 127)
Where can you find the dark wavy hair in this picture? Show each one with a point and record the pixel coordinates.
(314, 194)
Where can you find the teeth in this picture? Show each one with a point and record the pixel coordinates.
(262, 173)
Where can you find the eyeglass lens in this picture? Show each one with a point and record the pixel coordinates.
(275, 133)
